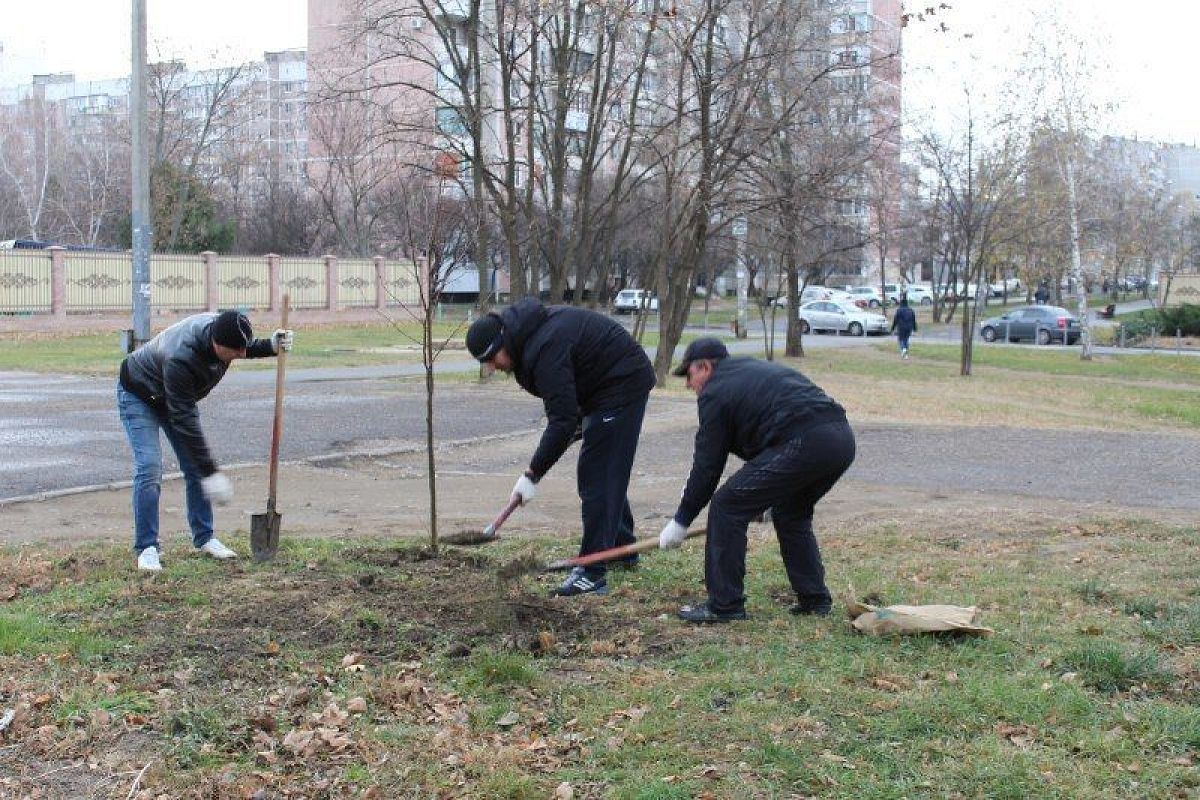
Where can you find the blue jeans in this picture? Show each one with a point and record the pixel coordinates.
(141, 428)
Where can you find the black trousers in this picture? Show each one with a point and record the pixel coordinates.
(610, 440)
(789, 479)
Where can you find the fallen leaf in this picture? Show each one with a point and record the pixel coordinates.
(101, 718)
(297, 741)
(350, 659)
(564, 791)
(545, 642)
(508, 720)
(272, 649)
(8, 593)
(356, 705)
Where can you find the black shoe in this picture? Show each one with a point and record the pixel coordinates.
(581, 582)
(703, 614)
(630, 563)
(812, 607)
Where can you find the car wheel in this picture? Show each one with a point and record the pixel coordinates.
(804, 328)
(988, 334)
(874, 304)
(1043, 336)
(855, 329)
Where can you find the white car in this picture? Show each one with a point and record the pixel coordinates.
(917, 295)
(630, 301)
(868, 293)
(1007, 286)
(827, 315)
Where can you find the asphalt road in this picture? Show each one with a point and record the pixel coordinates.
(59, 432)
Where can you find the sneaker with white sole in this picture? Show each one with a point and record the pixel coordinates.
(148, 560)
(214, 548)
(580, 581)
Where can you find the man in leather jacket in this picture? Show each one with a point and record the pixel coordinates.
(158, 389)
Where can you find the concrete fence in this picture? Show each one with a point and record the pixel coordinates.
(59, 281)
(1181, 287)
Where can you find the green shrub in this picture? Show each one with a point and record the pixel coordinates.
(1165, 321)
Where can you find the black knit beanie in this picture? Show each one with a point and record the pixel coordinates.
(231, 329)
(485, 336)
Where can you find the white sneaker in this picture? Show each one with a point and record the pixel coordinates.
(148, 560)
(217, 550)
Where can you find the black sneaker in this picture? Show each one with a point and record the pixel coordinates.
(703, 614)
(630, 563)
(581, 582)
(812, 607)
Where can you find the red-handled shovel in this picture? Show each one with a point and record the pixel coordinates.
(614, 553)
(491, 532)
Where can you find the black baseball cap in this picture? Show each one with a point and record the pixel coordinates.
(232, 329)
(704, 347)
(484, 337)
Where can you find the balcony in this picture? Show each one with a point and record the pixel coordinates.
(452, 10)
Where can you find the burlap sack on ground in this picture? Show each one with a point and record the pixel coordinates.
(906, 620)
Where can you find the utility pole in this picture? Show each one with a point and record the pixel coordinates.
(142, 217)
(739, 238)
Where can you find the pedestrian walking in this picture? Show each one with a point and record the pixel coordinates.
(159, 386)
(796, 444)
(588, 371)
(904, 325)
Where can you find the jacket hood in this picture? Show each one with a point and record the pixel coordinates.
(520, 321)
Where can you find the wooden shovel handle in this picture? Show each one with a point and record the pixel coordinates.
(616, 552)
(277, 427)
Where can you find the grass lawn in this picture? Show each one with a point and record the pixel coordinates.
(347, 666)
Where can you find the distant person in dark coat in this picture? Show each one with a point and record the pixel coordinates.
(586, 368)
(904, 325)
(796, 443)
(1042, 295)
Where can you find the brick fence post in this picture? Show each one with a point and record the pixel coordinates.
(212, 281)
(331, 283)
(380, 283)
(58, 281)
(274, 285)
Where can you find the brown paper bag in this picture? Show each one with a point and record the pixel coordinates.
(906, 620)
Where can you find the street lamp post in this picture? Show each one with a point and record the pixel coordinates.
(739, 238)
(142, 220)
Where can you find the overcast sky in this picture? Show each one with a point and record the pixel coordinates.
(1151, 50)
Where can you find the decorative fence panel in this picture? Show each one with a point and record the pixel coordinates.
(243, 282)
(356, 282)
(305, 280)
(99, 281)
(400, 284)
(61, 281)
(177, 281)
(25, 282)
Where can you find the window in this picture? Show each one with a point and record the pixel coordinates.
(450, 122)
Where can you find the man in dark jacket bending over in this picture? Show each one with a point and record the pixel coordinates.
(160, 384)
(796, 444)
(585, 367)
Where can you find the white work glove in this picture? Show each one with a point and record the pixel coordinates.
(672, 535)
(525, 489)
(217, 488)
(281, 340)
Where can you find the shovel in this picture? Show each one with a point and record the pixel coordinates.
(488, 534)
(612, 554)
(264, 528)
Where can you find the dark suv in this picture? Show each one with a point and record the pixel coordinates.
(1042, 324)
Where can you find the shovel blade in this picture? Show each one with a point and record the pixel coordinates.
(264, 535)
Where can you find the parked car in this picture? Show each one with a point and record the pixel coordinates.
(1007, 286)
(813, 293)
(868, 293)
(829, 315)
(1041, 324)
(917, 295)
(630, 301)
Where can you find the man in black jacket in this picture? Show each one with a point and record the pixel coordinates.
(158, 389)
(586, 368)
(904, 325)
(796, 444)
